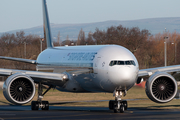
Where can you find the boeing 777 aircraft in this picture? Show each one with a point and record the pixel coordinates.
(95, 68)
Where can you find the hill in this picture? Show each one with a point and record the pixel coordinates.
(154, 25)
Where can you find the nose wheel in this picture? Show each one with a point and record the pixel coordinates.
(121, 109)
(118, 105)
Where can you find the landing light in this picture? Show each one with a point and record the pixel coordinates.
(65, 77)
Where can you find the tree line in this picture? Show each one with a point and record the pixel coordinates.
(148, 48)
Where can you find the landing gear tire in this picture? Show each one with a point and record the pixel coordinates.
(122, 108)
(34, 105)
(113, 105)
(125, 104)
(116, 110)
(45, 105)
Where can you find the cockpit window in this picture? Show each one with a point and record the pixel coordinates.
(115, 63)
(127, 62)
(133, 63)
(111, 63)
(118, 62)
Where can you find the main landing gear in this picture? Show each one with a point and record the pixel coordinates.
(44, 105)
(118, 105)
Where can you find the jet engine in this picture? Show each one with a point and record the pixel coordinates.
(161, 87)
(19, 88)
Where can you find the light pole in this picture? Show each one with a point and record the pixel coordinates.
(41, 40)
(25, 52)
(25, 49)
(175, 50)
(165, 50)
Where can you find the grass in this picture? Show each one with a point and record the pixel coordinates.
(137, 93)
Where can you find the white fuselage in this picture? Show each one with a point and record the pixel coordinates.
(96, 68)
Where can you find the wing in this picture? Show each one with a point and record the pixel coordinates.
(19, 59)
(167, 69)
(44, 77)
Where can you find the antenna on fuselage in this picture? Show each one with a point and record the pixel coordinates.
(46, 25)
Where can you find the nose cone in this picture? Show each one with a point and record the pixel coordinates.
(123, 76)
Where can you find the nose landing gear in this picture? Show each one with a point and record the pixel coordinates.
(118, 105)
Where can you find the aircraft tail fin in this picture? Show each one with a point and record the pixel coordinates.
(46, 25)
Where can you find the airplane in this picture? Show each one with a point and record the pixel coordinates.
(92, 68)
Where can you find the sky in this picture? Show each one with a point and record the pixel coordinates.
(23, 14)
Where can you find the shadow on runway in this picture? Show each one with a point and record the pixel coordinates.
(61, 106)
(166, 106)
(78, 108)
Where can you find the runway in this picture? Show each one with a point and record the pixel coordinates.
(98, 113)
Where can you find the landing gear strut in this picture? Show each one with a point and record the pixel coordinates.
(44, 105)
(118, 105)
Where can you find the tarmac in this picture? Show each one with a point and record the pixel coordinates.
(14, 112)
(10, 112)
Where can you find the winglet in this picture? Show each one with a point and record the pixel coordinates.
(46, 25)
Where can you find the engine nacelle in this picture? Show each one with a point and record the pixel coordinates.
(19, 88)
(161, 87)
